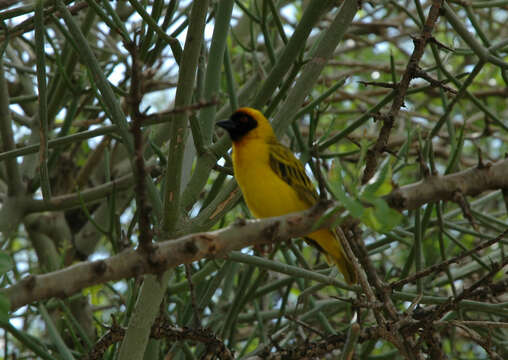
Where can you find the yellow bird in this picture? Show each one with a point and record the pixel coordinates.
(273, 181)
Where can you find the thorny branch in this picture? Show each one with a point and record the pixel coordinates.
(400, 91)
(407, 330)
(193, 247)
(49, 15)
(443, 265)
(135, 97)
(162, 329)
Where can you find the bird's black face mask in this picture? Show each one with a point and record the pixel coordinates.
(238, 125)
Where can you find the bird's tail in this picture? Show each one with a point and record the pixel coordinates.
(330, 243)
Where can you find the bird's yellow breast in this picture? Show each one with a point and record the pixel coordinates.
(265, 193)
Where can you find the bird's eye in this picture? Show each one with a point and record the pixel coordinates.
(243, 119)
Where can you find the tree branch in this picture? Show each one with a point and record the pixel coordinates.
(187, 249)
(167, 254)
(469, 182)
(15, 185)
(401, 91)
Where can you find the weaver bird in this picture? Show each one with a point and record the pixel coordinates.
(273, 181)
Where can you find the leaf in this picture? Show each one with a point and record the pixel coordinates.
(6, 263)
(355, 208)
(96, 294)
(369, 218)
(158, 151)
(381, 183)
(454, 158)
(380, 217)
(5, 306)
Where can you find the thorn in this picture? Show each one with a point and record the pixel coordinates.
(440, 44)
(424, 169)
(480, 165)
(460, 199)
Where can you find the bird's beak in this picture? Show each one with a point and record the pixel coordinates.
(227, 125)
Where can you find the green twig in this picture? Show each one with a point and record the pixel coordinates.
(43, 105)
(172, 190)
(57, 340)
(15, 186)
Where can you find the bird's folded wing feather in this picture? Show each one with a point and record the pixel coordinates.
(291, 170)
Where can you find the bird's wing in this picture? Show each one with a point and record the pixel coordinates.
(291, 170)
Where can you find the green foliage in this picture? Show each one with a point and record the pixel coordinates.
(5, 306)
(367, 204)
(6, 263)
(110, 64)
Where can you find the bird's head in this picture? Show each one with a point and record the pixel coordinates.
(247, 123)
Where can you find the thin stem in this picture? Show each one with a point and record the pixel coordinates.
(173, 42)
(213, 68)
(43, 105)
(55, 335)
(482, 52)
(108, 96)
(183, 98)
(315, 65)
(15, 186)
(311, 15)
